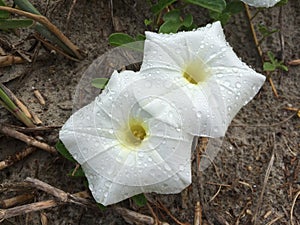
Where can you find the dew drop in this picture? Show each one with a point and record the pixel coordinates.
(107, 183)
(238, 84)
(235, 70)
(199, 115)
(167, 167)
(181, 168)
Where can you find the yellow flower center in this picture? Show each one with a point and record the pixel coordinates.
(196, 72)
(134, 133)
(138, 131)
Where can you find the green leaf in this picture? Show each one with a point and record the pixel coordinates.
(3, 14)
(170, 27)
(282, 2)
(60, 147)
(283, 67)
(265, 31)
(188, 20)
(148, 22)
(76, 172)
(173, 15)
(27, 6)
(161, 5)
(214, 5)
(173, 22)
(117, 39)
(272, 58)
(269, 66)
(101, 207)
(140, 200)
(15, 23)
(140, 37)
(99, 82)
(234, 7)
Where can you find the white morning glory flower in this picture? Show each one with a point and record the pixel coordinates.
(215, 82)
(261, 3)
(125, 150)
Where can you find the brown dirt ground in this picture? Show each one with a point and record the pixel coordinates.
(230, 190)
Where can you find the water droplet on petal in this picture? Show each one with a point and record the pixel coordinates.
(199, 115)
(107, 183)
(167, 167)
(238, 84)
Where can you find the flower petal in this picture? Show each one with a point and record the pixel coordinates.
(96, 136)
(261, 3)
(204, 73)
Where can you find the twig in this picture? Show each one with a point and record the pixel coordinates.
(77, 198)
(39, 96)
(8, 60)
(69, 13)
(259, 203)
(294, 62)
(198, 214)
(170, 214)
(27, 139)
(19, 210)
(44, 219)
(60, 194)
(33, 129)
(130, 216)
(259, 50)
(7, 203)
(52, 28)
(292, 208)
(216, 194)
(275, 220)
(14, 187)
(16, 157)
(51, 46)
(156, 220)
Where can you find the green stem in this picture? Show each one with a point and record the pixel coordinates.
(11, 107)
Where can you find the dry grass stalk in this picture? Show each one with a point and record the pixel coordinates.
(198, 214)
(44, 21)
(16, 157)
(259, 50)
(44, 219)
(7, 203)
(267, 175)
(77, 198)
(170, 214)
(294, 62)
(134, 217)
(39, 96)
(24, 209)
(60, 194)
(8, 60)
(27, 139)
(292, 208)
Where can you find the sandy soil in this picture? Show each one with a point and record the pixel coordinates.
(233, 190)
